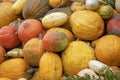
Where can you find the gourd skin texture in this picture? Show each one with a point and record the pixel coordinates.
(50, 67)
(35, 8)
(13, 68)
(87, 25)
(76, 57)
(107, 50)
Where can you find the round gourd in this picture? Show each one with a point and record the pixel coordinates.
(8, 37)
(87, 25)
(55, 41)
(32, 51)
(2, 54)
(65, 31)
(113, 25)
(107, 50)
(76, 57)
(54, 71)
(105, 11)
(28, 29)
(13, 68)
(6, 14)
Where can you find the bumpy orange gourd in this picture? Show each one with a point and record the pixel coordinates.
(2, 54)
(50, 67)
(107, 50)
(13, 68)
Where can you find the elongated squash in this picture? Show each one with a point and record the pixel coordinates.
(50, 67)
(18, 6)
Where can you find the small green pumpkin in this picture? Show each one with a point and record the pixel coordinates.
(105, 11)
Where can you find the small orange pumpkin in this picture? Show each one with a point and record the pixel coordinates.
(32, 51)
(2, 54)
(8, 37)
(5, 79)
(29, 28)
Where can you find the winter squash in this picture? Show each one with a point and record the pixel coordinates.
(54, 19)
(76, 57)
(2, 54)
(65, 31)
(13, 68)
(54, 71)
(105, 11)
(113, 25)
(77, 6)
(6, 11)
(35, 8)
(55, 41)
(33, 50)
(8, 37)
(107, 50)
(86, 24)
(18, 6)
(29, 28)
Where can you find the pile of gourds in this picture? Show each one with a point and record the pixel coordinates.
(59, 40)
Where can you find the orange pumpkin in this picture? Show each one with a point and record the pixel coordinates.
(13, 68)
(2, 54)
(8, 37)
(32, 51)
(29, 28)
(107, 50)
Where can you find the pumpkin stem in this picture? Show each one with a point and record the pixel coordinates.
(16, 34)
(40, 36)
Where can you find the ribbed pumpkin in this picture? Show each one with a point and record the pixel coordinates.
(86, 24)
(107, 50)
(50, 67)
(2, 54)
(6, 14)
(35, 8)
(76, 57)
(105, 11)
(13, 68)
(32, 51)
